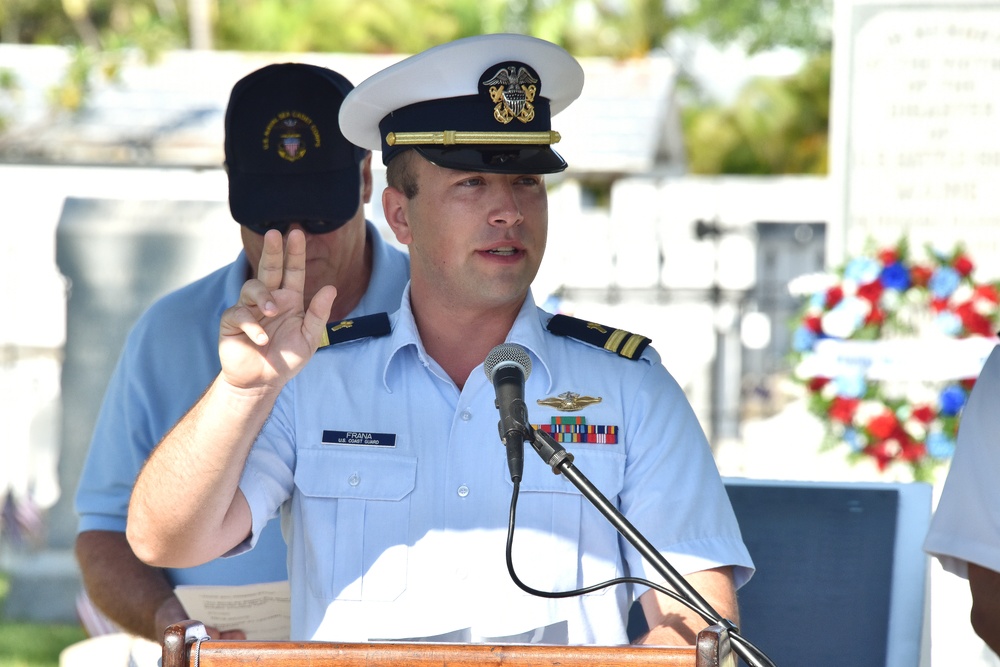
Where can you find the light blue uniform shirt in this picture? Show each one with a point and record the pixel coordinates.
(394, 492)
(170, 357)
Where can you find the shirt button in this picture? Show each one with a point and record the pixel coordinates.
(466, 415)
(463, 491)
(354, 479)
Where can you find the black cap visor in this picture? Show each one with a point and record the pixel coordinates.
(499, 159)
(260, 200)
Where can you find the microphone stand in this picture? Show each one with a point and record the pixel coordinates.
(561, 462)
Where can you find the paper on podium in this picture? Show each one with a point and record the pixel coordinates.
(260, 610)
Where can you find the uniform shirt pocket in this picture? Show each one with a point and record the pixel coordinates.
(353, 509)
(558, 526)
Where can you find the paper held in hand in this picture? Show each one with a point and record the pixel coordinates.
(260, 610)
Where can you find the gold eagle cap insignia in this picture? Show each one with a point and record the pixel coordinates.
(513, 93)
(569, 401)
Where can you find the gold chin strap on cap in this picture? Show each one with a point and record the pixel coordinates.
(454, 137)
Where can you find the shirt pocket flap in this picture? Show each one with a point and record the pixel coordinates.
(604, 469)
(341, 473)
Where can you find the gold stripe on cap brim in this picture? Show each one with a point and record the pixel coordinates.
(453, 138)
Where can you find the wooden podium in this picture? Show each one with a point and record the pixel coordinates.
(186, 645)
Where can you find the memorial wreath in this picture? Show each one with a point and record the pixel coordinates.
(888, 349)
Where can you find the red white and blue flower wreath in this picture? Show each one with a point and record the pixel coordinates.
(885, 295)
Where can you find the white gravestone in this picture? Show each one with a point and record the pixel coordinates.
(916, 126)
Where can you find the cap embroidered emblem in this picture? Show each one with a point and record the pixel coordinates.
(569, 401)
(512, 87)
(294, 131)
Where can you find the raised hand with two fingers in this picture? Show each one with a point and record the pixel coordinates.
(270, 334)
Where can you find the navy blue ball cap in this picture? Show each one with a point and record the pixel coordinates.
(286, 157)
(482, 103)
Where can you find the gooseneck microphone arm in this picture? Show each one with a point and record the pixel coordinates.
(561, 462)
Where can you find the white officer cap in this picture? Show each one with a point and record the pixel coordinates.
(481, 103)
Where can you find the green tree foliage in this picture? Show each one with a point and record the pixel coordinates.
(34, 22)
(775, 126)
(98, 34)
(618, 28)
(151, 25)
(759, 25)
(352, 26)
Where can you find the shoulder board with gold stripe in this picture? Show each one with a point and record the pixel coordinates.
(367, 326)
(623, 343)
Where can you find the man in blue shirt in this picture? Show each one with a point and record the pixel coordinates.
(289, 168)
(381, 453)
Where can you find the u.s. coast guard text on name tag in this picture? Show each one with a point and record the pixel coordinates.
(359, 438)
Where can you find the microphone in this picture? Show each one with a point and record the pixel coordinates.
(508, 366)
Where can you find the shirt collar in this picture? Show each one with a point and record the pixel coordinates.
(527, 331)
(404, 338)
